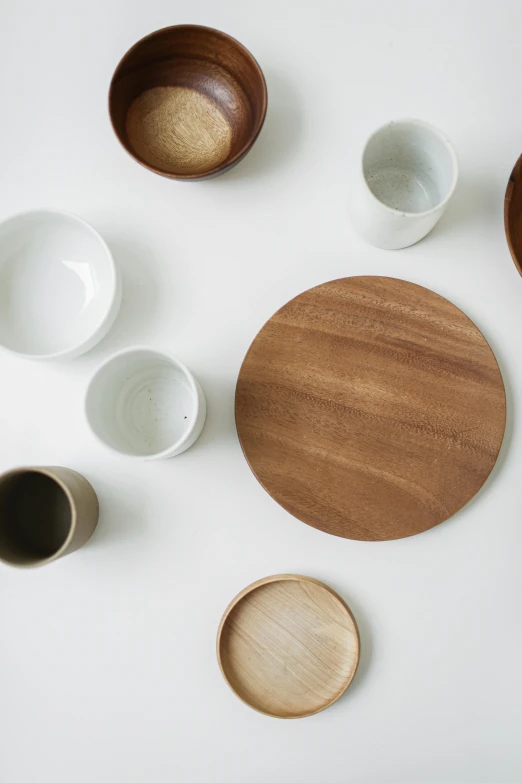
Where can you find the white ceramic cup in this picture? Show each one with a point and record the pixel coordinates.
(409, 173)
(145, 403)
(60, 290)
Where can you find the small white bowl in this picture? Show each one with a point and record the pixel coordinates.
(144, 403)
(60, 290)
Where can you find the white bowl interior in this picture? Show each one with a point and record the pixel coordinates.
(409, 166)
(57, 283)
(141, 403)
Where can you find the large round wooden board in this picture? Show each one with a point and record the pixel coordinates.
(288, 646)
(370, 408)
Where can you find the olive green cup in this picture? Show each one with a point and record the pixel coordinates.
(45, 513)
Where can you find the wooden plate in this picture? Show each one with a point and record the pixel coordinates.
(370, 408)
(513, 214)
(288, 646)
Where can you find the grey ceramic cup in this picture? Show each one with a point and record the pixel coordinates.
(45, 513)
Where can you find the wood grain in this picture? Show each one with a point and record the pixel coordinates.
(370, 408)
(188, 102)
(177, 129)
(513, 214)
(288, 646)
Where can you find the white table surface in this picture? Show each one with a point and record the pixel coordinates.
(108, 670)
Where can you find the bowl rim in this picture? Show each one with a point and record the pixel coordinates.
(194, 390)
(436, 132)
(104, 324)
(229, 162)
(508, 197)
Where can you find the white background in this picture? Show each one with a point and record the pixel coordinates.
(107, 662)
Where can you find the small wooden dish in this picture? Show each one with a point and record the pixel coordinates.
(288, 646)
(513, 214)
(188, 102)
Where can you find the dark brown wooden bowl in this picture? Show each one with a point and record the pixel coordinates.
(188, 102)
(513, 214)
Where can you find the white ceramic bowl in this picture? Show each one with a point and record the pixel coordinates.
(60, 290)
(144, 403)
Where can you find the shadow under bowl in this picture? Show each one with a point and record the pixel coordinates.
(513, 214)
(188, 102)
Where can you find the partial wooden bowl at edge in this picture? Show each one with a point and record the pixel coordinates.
(288, 646)
(513, 214)
(188, 102)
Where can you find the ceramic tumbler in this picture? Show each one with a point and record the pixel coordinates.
(407, 176)
(145, 403)
(45, 513)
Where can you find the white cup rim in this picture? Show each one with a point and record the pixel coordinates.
(194, 389)
(449, 146)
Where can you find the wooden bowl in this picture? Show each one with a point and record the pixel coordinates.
(288, 646)
(513, 214)
(188, 102)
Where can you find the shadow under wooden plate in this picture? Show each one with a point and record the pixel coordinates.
(288, 646)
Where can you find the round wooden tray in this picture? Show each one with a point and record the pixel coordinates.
(288, 646)
(370, 408)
